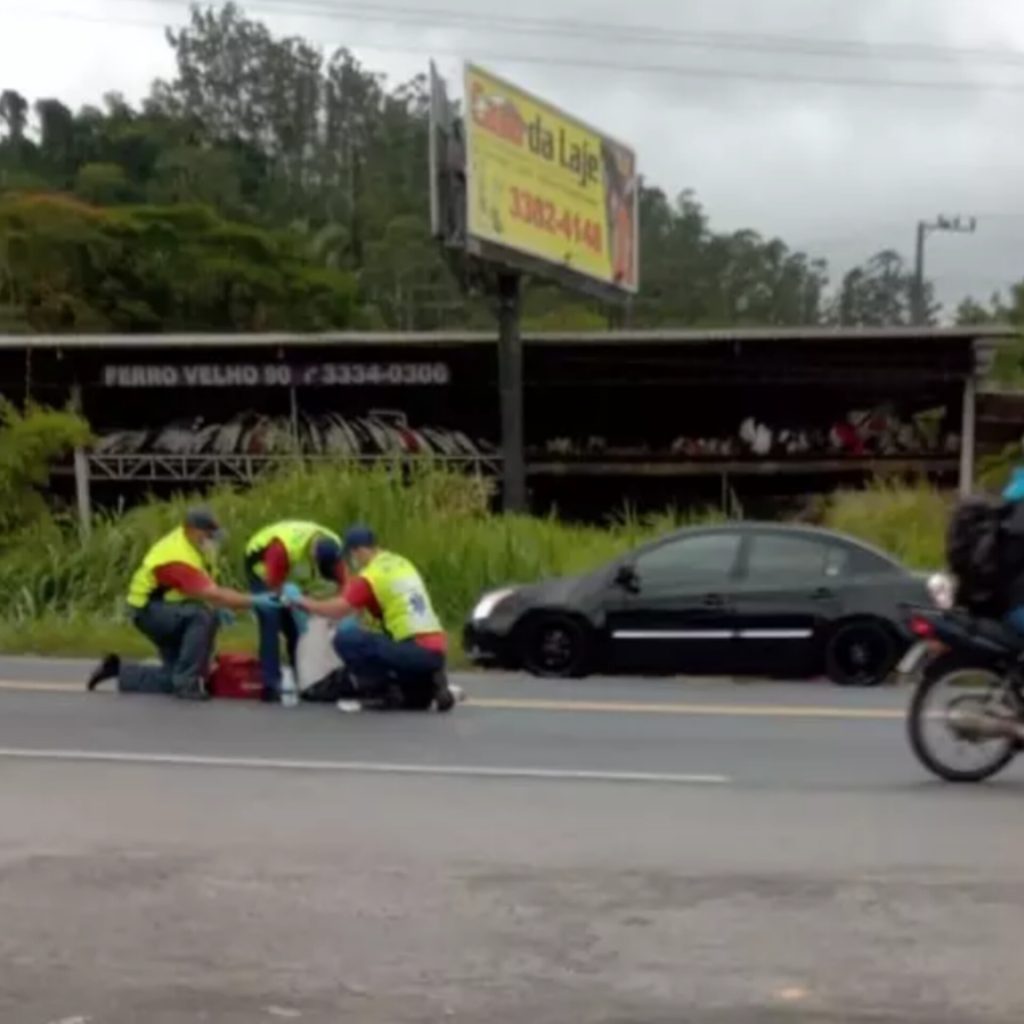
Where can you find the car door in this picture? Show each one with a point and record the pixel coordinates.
(671, 610)
(789, 588)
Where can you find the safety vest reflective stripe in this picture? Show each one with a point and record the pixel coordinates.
(175, 547)
(404, 602)
(297, 536)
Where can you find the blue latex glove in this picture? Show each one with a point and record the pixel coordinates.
(291, 594)
(265, 602)
(226, 617)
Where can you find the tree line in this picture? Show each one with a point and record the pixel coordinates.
(268, 185)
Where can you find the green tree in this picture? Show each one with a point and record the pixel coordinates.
(879, 294)
(102, 183)
(71, 266)
(29, 443)
(14, 113)
(406, 279)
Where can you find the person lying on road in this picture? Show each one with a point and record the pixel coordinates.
(173, 598)
(410, 652)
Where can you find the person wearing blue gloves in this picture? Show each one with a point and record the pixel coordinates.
(175, 602)
(289, 551)
(407, 655)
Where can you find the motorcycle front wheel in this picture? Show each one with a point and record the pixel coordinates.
(953, 684)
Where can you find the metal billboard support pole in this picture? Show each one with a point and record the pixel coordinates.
(967, 435)
(83, 497)
(510, 384)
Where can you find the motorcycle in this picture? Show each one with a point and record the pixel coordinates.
(969, 690)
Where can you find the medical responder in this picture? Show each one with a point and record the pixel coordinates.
(290, 551)
(174, 600)
(411, 650)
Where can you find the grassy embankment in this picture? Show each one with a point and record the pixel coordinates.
(59, 595)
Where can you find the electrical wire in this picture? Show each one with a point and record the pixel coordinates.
(767, 77)
(653, 35)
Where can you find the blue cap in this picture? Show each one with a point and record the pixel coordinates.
(1014, 490)
(358, 536)
(327, 555)
(202, 518)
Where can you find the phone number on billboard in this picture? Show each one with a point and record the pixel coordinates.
(544, 214)
(387, 374)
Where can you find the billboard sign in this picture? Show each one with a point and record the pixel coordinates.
(543, 185)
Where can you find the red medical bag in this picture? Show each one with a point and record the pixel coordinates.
(236, 677)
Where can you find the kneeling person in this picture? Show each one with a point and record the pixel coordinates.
(173, 599)
(291, 551)
(411, 651)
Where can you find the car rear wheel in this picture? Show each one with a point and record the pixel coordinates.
(556, 646)
(861, 653)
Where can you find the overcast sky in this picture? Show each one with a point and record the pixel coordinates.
(839, 169)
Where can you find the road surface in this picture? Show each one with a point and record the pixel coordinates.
(622, 852)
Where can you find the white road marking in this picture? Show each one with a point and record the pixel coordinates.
(359, 767)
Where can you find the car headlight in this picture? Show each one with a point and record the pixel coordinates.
(486, 605)
(942, 589)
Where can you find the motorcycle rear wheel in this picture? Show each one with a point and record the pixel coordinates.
(946, 671)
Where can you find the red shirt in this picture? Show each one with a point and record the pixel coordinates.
(359, 594)
(277, 565)
(186, 578)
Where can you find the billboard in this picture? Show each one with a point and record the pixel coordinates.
(543, 185)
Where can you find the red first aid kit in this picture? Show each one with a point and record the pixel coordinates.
(236, 677)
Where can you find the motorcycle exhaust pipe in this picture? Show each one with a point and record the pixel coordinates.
(973, 725)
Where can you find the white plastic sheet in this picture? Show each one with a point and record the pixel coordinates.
(315, 657)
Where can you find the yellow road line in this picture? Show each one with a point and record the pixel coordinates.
(729, 710)
(592, 706)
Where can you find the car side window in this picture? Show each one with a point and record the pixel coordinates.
(775, 556)
(867, 563)
(709, 558)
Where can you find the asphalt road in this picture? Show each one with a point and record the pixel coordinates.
(623, 852)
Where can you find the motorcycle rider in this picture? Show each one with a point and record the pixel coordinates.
(1012, 553)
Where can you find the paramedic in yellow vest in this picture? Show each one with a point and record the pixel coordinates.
(290, 551)
(173, 598)
(411, 650)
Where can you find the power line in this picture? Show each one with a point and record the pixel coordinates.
(655, 35)
(677, 71)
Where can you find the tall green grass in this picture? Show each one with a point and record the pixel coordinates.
(60, 594)
(439, 519)
(907, 521)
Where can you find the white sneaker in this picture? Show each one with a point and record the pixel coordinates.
(457, 692)
(349, 707)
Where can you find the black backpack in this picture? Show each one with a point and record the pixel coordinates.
(973, 553)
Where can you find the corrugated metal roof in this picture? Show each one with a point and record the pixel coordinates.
(661, 336)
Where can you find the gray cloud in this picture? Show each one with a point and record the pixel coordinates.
(842, 170)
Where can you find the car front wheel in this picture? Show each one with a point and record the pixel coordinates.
(556, 646)
(861, 653)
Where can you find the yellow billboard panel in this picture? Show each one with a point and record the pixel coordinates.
(545, 185)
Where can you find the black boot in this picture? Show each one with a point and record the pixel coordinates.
(108, 668)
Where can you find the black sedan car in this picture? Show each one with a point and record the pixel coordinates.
(737, 599)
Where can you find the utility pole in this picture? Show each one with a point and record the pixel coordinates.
(959, 225)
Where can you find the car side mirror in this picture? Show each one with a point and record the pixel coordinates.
(627, 579)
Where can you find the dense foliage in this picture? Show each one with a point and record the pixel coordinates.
(29, 442)
(269, 184)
